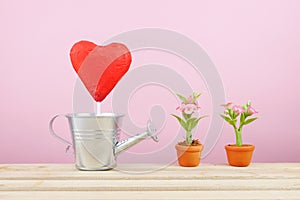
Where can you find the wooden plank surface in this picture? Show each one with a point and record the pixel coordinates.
(148, 195)
(146, 181)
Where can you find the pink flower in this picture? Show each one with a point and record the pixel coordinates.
(237, 109)
(227, 105)
(197, 105)
(190, 99)
(190, 108)
(251, 110)
(181, 107)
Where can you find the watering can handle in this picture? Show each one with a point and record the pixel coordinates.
(151, 131)
(54, 134)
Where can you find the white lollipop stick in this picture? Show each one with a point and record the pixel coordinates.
(98, 108)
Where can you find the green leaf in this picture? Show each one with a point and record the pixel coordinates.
(186, 116)
(242, 118)
(249, 121)
(193, 123)
(231, 113)
(181, 122)
(227, 119)
(190, 123)
(196, 95)
(182, 98)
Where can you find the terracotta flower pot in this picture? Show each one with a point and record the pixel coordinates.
(189, 156)
(239, 156)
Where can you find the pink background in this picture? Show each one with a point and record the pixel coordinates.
(254, 45)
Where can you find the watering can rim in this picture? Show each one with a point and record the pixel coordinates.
(88, 115)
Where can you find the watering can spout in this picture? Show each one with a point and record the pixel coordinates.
(125, 144)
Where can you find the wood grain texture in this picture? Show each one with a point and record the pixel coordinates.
(146, 181)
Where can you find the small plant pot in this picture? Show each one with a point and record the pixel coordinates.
(189, 156)
(239, 156)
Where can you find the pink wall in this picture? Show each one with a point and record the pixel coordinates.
(254, 45)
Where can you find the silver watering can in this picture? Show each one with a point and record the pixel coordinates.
(95, 139)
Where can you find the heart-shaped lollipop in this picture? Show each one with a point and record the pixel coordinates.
(100, 67)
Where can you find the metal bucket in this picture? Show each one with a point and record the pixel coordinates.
(94, 139)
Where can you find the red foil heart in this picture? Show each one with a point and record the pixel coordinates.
(100, 67)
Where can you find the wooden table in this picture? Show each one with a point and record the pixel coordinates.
(145, 181)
